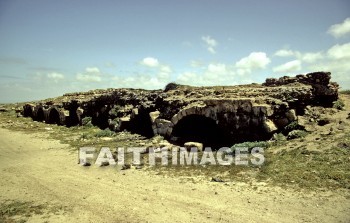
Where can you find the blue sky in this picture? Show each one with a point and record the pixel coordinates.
(48, 48)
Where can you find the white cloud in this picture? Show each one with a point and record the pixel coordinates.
(150, 62)
(92, 70)
(308, 57)
(144, 81)
(210, 43)
(341, 29)
(255, 60)
(217, 68)
(55, 76)
(165, 68)
(164, 73)
(213, 74)
(91, 74)
(187, 78)
(288, 67)
(311, 57)
(339, 51)
(284, 53)
(155, 78)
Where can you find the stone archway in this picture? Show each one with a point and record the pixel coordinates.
(28, 110)
(54, 116)
(40, 114)
(199, 128)
(100, 117)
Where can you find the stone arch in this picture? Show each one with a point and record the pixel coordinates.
(140, 122)
(236, 121)
(28, 110)
(39, 114)
(74, 114)
(100, 117)
(200, 124)
(199, 128)
(55, 116)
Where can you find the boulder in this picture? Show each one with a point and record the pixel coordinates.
(269, 126)
(198, 145)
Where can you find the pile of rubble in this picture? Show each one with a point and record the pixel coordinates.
(240, 113)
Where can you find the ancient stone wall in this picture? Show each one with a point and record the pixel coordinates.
(246, 112)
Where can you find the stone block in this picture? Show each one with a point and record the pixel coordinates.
(269, 126)
(291, 115)
(154, 115)
(174, 119)
(198, 145)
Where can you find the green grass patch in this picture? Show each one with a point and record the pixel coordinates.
(251, 145)
(308, 169)
(339, 104)
(105, 133)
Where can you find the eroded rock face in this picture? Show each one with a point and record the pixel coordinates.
(202, 114)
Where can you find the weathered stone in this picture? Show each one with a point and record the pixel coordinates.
(154, 116)
(174, 119)
(169, 131)
(134, 112)
(291, 115)
(247, 107)
(124, 123)
(189, 145)
(281, 122)
(269, 126)
(239, 111)
(256, 110)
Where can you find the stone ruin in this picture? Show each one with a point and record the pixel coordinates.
(215, 116)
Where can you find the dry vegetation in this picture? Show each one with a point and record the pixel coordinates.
(318, 160)
(314, 159)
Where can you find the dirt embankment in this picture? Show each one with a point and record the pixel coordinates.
(42, 174)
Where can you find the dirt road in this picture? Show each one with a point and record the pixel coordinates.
(35, 169)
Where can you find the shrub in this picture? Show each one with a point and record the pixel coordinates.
(171, 86)
(297, 134)
(291, 126)
(86, 121)
(104, 133)
(84, 136)
(251, 145)
(115, 110)
(279, 139)
(339, 104)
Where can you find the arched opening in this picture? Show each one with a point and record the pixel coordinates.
(73, 119)
(54, 117)
(198, 128)
(28, 111)
(40, 115)
(100, 119)
(141, 124)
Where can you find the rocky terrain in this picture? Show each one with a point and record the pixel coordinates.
(215, 116)
(304, 122)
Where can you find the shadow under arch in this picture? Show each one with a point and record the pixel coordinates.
(54, 117)
(199, 128)
(40, 115)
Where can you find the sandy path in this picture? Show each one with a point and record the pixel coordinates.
(36, 169)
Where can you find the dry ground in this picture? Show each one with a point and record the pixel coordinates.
(40, 181)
